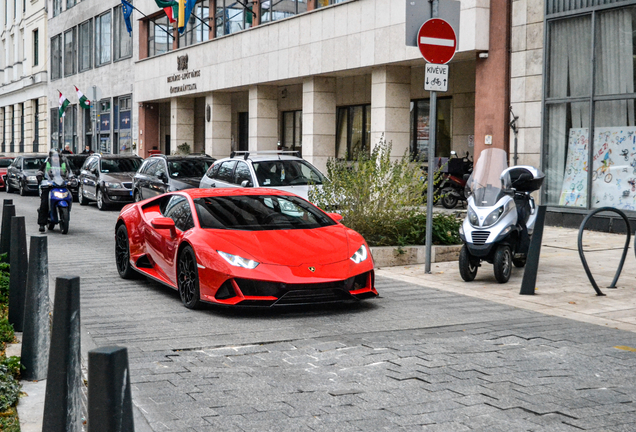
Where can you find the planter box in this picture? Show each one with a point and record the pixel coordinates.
(389, 256)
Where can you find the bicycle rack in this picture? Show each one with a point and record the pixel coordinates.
(625, 249)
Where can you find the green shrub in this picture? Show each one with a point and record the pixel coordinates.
(9, 388)
(382, 198)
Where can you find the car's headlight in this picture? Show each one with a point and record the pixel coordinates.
(32, 178)
(472, 217)
(238, 261)
(112, 185)
(360, 255)
(493, 217)
(60, 195)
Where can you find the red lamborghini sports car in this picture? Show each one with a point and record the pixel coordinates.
(243, 246)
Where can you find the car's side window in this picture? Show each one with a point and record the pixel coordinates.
(225, 171)
(151, 168)
(178, 209)
(160, 168)
(212, 172)
(242, 173)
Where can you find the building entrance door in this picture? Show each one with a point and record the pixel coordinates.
(243, 131)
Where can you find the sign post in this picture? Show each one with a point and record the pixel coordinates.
(437, 43)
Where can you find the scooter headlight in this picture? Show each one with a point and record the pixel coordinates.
(60, 195)
(495, 215)
(472, 217)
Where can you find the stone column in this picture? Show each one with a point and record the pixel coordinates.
(390, 107)
(218, 130)
(319, 120)
(148, 128)
(181, 122)
(263, 115)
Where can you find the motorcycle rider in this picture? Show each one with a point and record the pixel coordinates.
(54, 166)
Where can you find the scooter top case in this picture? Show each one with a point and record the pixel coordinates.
(524, 178)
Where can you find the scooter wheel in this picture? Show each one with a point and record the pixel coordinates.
(467, 265)
(449, 200)
(502, 264)
(63, 215)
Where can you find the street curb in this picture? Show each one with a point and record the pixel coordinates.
(391, 256)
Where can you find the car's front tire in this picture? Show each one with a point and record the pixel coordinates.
(22, 189)
(80, 196)
(137, 196)
(188, 278)
(100, 200)
(8, 187)
(122, 253)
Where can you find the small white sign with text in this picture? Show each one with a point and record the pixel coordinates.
(436, 77)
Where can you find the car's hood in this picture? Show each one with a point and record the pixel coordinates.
(118, 177)
(288, 247)
(185, 183)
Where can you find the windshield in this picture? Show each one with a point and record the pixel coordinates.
(32, 164)
(120, 165)
(55, 169)
(259, 213)
(4, 163)
(286, 173)
(485, 182)
(75, 163)
(188, 167)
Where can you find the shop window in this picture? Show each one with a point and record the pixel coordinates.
(231, 17)
(292, 136)
(122, 39)
(420, 123)
(88, 128)
(159, 36)
(102, 39)
(70, 128)
(104, 126)
(353, 131)
(272, 10)
(70, 53)
(56, 57)
(196, 30)
(122, 125)
(55, 127)
(21, 149)
(85, 45)
(36, 125)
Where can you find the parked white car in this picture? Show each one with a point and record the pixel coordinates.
(269, 169)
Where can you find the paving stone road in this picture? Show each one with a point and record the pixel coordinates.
(413, 359)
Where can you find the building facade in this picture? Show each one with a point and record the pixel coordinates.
(91, 49)
(23, 76)
(325, 78)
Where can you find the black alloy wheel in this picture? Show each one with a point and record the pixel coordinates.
(467, 266)
(502, 264)
(188, 279)
(449, 200)
(80, 196)
(64, 219)
(122, 253)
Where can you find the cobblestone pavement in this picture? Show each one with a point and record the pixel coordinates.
(414, 359)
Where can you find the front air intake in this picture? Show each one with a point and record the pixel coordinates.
(480, 237)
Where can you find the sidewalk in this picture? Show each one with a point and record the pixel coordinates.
(562, 286)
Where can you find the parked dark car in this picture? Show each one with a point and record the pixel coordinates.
(5, 161)
(160, 174)
(22, 173)
(107, 179)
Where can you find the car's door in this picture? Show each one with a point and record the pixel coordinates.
(178, 209)
(89, 176)
(144, 178)
(242, 174)
(158, 183)
(225, 175)
(12, 172)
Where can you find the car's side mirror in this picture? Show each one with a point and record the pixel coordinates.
(163, 177)
(164, 223)
(335, 216)
(246, 183)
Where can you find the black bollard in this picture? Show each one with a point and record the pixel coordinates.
(8, 211)
(37, 333)
(109, 397)
(529, 280)
(18, 272)
(62, 411)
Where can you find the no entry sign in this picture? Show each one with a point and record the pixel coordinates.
(437, 41)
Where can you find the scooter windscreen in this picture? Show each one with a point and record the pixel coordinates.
(55, 171)
(486, 184)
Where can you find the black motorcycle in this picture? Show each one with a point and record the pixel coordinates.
(454, 183)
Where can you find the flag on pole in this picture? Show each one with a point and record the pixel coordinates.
(63, 104)
(181, 15)
(83, 100)
(127, 9)
(188, 6)
(171, 7)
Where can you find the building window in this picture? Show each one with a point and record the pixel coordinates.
(231, 17)
(420, 113)
(353, 132)
(292, 136)
(122, 39)
(85, 45)
(323, 3)
(159, 36)
(272, 10)
(56, 57)
(196, 31)
(102, 39)
(55, 127)
(36, 47)
(70, 53)
(57, 7)
(70, 4)
(70, 128)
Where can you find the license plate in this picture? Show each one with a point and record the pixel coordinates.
(130, 193)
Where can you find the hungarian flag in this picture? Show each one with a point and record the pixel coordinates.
(63, 103)
(171, 7)
(83, 100)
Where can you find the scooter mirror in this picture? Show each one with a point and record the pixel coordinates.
(453, 153)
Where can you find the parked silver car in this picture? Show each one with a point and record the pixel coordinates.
(269, 169)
